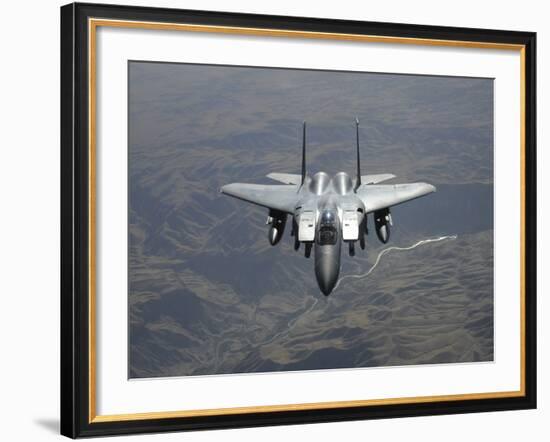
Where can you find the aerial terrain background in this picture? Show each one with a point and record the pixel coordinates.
(209, 295)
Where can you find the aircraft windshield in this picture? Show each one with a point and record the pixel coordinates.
(328, 234)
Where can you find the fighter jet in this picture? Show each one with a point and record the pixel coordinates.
(327, 211)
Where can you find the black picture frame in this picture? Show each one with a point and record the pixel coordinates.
(75, 221)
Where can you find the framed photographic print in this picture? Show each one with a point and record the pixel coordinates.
(277, 220)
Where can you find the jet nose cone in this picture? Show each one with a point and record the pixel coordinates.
(326, 290)
(327, 266)
(326, 278)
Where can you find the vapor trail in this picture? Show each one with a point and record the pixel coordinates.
(389, 249)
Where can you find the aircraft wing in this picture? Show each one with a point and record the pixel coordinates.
(286, 178)
(278, 197)
(381, 196)
(376, 178)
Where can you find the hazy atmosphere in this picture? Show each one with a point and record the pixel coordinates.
(209, 295)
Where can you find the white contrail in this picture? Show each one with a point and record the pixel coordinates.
(389, 249)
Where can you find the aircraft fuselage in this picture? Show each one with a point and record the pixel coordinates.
(328, 212)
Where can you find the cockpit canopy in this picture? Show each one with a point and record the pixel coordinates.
(328, 232)
(328, 217)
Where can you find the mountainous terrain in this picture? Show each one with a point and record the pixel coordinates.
(209, 295)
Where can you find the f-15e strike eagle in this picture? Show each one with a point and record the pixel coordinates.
(326, 211)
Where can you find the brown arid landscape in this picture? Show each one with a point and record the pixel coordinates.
(209, 295)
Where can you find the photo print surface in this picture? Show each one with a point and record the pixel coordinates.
(209, 294)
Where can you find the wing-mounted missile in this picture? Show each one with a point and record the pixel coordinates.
(277, 221)
(382, 223)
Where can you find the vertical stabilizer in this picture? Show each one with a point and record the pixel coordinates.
(304, 154)
(358, 179)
